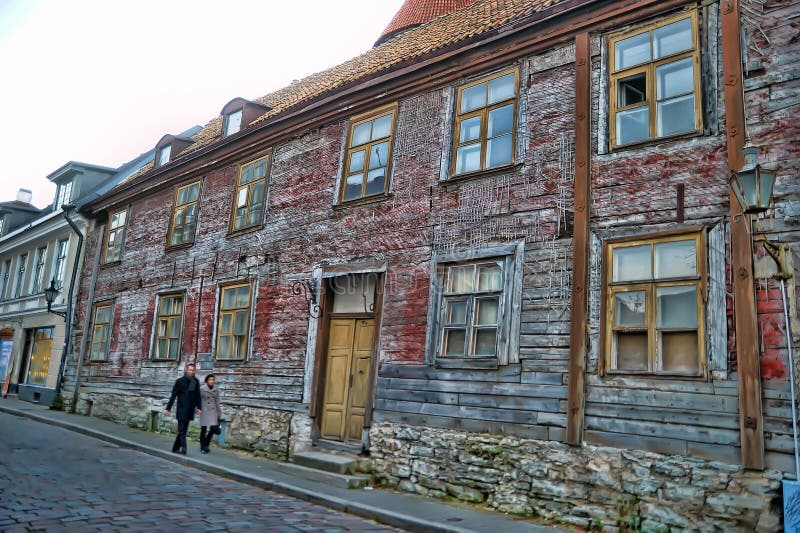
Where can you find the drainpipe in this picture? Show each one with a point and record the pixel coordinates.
(75, 266)
(85, 338)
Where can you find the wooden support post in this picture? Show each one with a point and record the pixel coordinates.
(580, 240)
(750, 415)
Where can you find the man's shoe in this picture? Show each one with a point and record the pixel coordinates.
(183, 451)
(204, 451)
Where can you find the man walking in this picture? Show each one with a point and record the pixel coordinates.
(187, 390)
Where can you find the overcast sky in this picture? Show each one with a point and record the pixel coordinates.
(101, 81)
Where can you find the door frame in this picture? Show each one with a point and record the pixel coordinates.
(323, 333)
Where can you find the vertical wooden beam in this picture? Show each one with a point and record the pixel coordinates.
(580, 240)
(750, 414)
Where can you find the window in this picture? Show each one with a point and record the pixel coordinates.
(234, 322)
(164, 154)
(486, 117)
(655, 306)
(2, 224)
(41, 346)
(61, 263)
(368, 156)
(249, 198)
(101, 333)
(473, 298)
(23, 261)
(184, 215)
(116, 237)
(64, 196)
(655, 82)
(233, 122)
(6, 277)
(168, 327)
(38, 272)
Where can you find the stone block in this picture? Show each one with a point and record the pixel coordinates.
(465, 494)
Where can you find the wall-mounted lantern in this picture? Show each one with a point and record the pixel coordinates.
(309, 290)
(50, 294)
(753, 184)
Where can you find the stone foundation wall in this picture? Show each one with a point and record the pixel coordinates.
(261, 431)
(591, 487)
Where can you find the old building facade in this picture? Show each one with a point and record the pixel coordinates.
(496, 255)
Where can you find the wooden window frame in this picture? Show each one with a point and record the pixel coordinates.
(611, 288)
(120, 232)
(221, 312)
(248, 205)
(95, 325)
(649, 69)
(176, 206)
(156, 337)
(7, 264)
(483, 112)
(367, 147)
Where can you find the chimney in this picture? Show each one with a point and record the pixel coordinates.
(25, 196)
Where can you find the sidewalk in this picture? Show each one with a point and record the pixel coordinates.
(401, 510)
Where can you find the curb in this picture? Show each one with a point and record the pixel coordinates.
(389, 518)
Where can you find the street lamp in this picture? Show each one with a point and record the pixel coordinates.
(50, 294)
(753, 184)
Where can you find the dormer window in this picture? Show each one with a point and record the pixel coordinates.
(170, 147)
(239, 113)
(233, 122)
(163, 155)
(2, 224)
(64, 196)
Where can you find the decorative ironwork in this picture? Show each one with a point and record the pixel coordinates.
(309, 292)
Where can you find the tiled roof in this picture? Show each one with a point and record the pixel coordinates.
(480, 17)
(415, 12)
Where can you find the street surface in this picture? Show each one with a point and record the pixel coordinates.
(52, 479)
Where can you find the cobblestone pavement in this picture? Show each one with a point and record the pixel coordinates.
(52, 479)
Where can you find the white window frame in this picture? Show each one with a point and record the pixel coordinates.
(37, 278)
(228, 129)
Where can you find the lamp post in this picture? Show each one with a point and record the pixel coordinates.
(50, 294)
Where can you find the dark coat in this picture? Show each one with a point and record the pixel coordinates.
(188, 398)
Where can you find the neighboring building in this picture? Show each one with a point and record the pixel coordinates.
(496, 254)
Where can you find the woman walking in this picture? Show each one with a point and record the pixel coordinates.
(209, 419)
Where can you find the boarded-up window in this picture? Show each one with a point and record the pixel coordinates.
(655, 317)
(233, 326)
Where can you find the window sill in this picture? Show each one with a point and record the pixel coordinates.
(177, 247)
(374, 199)
(473, 363)
(111, 264)
(478, 174)
(651, 375)
(159, 362)
(225, 361)
(244, 231)
(649, 142)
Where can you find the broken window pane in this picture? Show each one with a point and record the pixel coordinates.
(379, 156)
(629, 309)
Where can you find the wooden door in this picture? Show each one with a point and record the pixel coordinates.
(347, 373)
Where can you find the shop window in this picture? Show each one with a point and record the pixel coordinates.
(40, 346)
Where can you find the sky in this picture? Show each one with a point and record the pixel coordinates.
(102, 81)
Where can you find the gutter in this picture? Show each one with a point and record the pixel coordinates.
(68, 318)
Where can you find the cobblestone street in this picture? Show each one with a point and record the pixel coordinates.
(56, 480)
